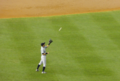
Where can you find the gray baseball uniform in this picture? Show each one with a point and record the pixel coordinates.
(43, 57)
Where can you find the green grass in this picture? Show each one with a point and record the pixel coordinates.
(86, 49)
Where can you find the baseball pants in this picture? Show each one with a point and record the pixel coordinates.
(43, 60)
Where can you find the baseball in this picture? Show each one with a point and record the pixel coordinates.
(60, 28)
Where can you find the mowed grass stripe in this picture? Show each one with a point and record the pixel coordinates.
(13, 68)
(115, 33)
(5, 60)
(115, 36)
(112, 29)
(3, 51)
(23, 39)
(101, 44)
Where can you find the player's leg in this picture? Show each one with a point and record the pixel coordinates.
(39, 64)
(41, 61)
(44, 64)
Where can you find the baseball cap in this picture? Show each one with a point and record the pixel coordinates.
(42, 43)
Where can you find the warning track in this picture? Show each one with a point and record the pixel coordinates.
(34, 8)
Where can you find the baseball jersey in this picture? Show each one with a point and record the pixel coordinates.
(43, 50)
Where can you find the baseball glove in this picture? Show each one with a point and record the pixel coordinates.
(50, 41)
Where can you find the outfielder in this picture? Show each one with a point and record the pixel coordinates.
(43, 56)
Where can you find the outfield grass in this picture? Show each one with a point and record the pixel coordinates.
(86, 49)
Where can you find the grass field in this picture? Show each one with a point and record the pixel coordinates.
(86, 49)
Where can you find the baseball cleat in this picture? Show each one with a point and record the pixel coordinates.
(43, 72)
(37, 70)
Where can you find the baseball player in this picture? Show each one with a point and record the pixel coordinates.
(43, 56)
